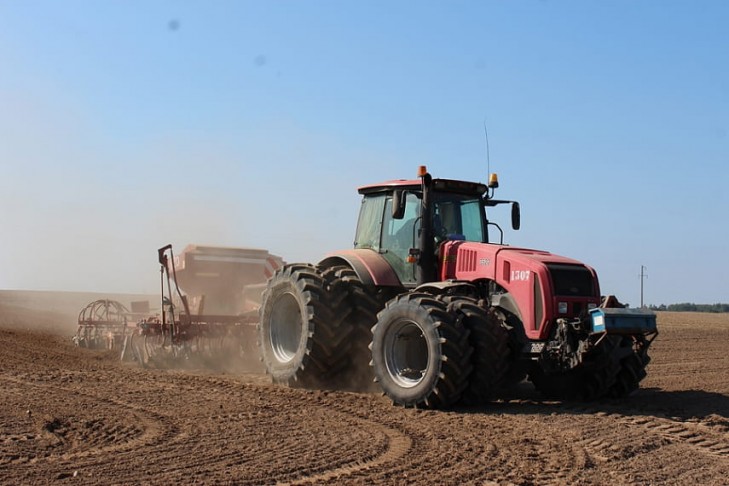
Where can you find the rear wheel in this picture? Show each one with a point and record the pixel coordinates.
(302, 340)
(362, 307)
(420, 352)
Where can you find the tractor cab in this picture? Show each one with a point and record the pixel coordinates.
(392, 222)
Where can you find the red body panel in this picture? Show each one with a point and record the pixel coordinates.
(522, 272)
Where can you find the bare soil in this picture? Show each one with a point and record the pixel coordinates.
(70, 415)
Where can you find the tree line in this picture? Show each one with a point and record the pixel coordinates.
(691, 307)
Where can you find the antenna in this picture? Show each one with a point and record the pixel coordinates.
(488, 158)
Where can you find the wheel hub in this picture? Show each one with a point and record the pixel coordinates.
(406, 353)
(285, 330)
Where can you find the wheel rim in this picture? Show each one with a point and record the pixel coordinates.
(406, 353)
(285, 330)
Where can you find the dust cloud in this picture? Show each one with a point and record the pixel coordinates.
(57, 313)
(54, 312)
(222, 287)
(230, 355)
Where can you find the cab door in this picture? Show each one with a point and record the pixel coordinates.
(399, 236)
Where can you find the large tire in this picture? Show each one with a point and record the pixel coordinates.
(594, 380)
(420, 352)
(362, 308)
(491, 352)
(518, 366)
(632, 367)
(302, 339)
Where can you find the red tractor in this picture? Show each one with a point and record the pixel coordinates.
(435, 309)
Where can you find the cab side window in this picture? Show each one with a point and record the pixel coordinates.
(369, 225)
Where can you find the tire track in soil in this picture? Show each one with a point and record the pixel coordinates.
(684, 432)
(694, 435)
(539, 451)
(401, 433)
(486, 455)
(618, 436)
(395, 443)
(400, 441)
(160, 434)
(592, 430)
(555, 475)
(170, 448)
(157, 428)
(583, 452)
(601, 448)
(398, 444)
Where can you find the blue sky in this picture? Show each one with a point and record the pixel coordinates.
(125, 125)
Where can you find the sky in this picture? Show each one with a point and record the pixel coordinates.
(127, 125)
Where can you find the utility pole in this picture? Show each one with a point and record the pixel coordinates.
(643, 276)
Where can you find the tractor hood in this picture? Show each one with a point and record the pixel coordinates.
(467, 260)
(544, 286)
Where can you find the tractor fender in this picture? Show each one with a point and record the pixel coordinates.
(506, 302)
(371, 268)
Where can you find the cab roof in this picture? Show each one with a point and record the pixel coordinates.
(415, 185)
(388, 186)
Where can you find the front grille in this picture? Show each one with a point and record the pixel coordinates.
(577, 308)
(572, 280)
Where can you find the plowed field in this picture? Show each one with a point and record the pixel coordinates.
(72, 415)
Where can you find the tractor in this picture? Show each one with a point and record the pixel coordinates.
(433, 309)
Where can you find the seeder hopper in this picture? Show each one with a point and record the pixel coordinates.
(209, 307)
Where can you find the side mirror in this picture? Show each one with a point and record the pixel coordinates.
(398, 204)
(515, 215)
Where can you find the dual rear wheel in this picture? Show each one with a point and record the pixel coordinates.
(303, 336)
(420, 352)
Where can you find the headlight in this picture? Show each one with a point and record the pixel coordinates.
(562, 307)
(592, 305)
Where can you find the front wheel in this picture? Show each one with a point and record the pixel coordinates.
(632, 366)
(420, 352)
(593, 380)
(489, 338)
